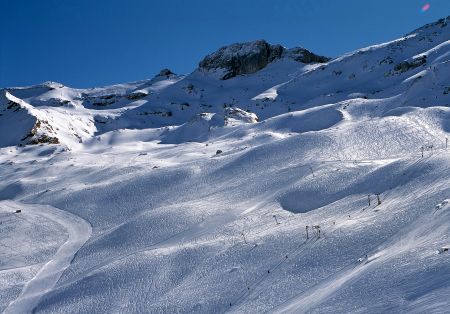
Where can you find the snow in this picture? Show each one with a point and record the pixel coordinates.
(136, 210)
(79, 232)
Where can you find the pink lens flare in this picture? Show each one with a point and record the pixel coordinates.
(426, 7)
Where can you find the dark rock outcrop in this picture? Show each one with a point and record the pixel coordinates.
(408, 65)
(34, 138)
(44, 139)
(165, 72)
(250, 57)
(305, 56)
(136, 95)
(242, 58)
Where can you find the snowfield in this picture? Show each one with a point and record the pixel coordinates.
(79, 232)
(298, 188)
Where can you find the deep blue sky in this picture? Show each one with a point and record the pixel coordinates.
(84, 43)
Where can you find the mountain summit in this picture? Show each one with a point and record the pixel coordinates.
(250, 57)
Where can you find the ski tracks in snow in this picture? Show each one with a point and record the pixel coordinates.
(79, 232)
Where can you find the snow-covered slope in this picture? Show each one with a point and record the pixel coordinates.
(267, 180)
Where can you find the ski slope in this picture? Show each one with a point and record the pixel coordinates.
(193, 193)
(78, 231)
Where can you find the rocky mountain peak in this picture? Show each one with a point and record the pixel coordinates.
(165, 73)
(250, 57)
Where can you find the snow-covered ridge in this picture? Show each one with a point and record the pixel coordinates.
(262, 79)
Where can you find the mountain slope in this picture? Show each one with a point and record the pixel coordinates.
(200, 188)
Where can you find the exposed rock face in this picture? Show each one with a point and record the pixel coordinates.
(233, 115)
(41, 133)
(165, 72)
(408, 65)
(305, 56)
(137, 95)
(44, 139)
(250, 57)
(242, 58)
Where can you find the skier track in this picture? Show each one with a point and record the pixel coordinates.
(79, 232)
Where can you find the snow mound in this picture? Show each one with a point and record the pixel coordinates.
(305, 121)
(204, 126)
